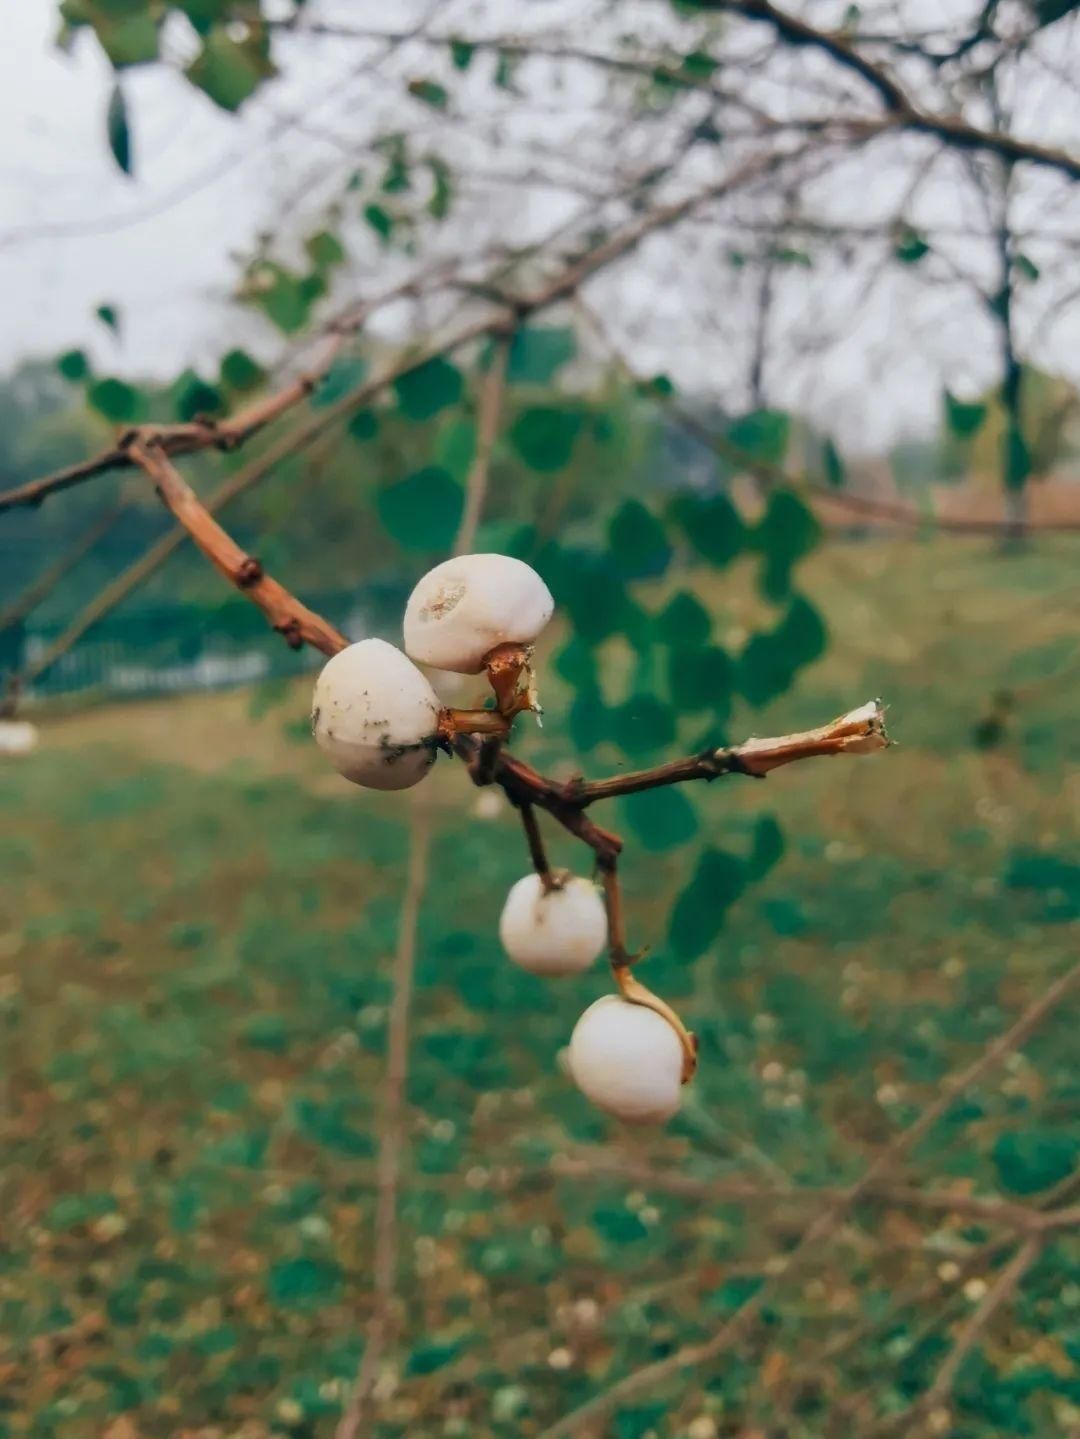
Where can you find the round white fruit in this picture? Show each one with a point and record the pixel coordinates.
(557, 931)
(375, 716)
(465, 607)
(628, 1060)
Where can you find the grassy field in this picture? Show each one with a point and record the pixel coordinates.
(195, 935)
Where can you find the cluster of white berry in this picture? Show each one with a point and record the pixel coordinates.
(376, 717)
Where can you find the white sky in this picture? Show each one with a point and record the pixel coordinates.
(163, 247)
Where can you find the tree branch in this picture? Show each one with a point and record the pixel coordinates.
(287, 615)
(824, 1225)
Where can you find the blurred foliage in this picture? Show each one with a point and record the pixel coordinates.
(194, 1011)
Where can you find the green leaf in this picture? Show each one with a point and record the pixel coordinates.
(638, 542)
(576, 664)
(833, 465)
(303, 1283)
(380, 220)
(117, 401)
(702, 679)
(537, 352)
(240, 372)
(713, 526)
(343, 377)
(768, 847)
(591, 594)
(461, 53)
(455, 447)
(227, 71)
(285, 298)
(910, 247)
(109, 315)
(73, 365)
(429, 1358)
(429, 388)
(660, 819)
(762, 435)
(788, 531)
(1028, 1161)
(770, 661)
(619, 1226)
(442, 189)
(1026, 267)
(684, 622)
(964, 418)
(128, 39)
(422, 511)
(116, 127)
(699, 911)
(544, 437)
(364, 425)
(325, 250)
(698, 65)
(642, 725)
(587, 721)
(430, 92)
(639, 1422)
(192, 396)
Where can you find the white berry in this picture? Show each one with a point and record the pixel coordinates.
(375, 716)
(465, 607)
(556, 931)
(628, 1060)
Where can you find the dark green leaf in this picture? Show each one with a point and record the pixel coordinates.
(461, 53)
(639, 1422)
(770, 661)
(303, 1283)
(380, 220)
(285, 298)
(619, 1226)
(364, 425)
(1028, 1161)
(638, 542)
(1026, 267)
(576, 664)
(128, 39)
(116, 127)
(699, 911)
(698, 65)
(590, 593)
(787, 533)
(587, 721)
(424, 391)
(430, 1357)
(344, 376)
(73, 365)
(325, 250)
(544, 437)
(660, 818)
(642, 725)
(537, 352)
(430, 92)
(964, 418)
(702, 679)
(240, 372)
(422, 511)
(762, 436)
(192, 396)
(227, 71)
(684, 623)
(108, 315)
(768, 847)
(713, 526)
(910, 246)
(117, 401)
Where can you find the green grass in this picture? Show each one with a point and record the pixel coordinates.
(194, 955)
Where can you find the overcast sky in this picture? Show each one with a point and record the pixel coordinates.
(164, 247)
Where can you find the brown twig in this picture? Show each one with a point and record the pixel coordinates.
(535, 841)
(488, 413)
(998, 1294)
(50, 577)
(391, 1141)
(287, 615)
(823, 1226)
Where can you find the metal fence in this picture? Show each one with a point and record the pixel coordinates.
(173, 647)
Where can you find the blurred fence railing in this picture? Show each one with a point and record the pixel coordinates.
(173, 647)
